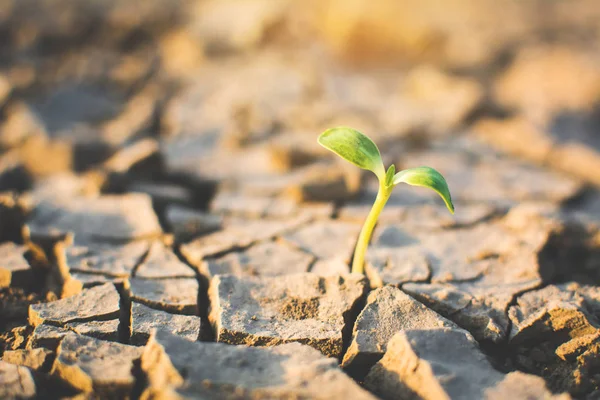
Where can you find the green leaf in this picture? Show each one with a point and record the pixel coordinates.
(426, 177)
(389, 176)
(355, 147)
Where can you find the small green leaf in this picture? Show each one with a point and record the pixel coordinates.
(389, 176)
(426, 177)
(355, 147)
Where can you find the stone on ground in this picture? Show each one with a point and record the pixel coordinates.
(215, 370)
(175, 295)
(47, 336)
(98, 303)
(555, 333)
(105, 330)
(89, 364)
(387, 312)
(36, 359)
(103, 259)
(439, 364)
(145, 319)
(268, 311)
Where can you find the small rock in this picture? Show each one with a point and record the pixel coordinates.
(14, 270)
(47, 336)
(551, 310)
(478, 308)
(98, 303)
(555, 335)
(89, 364)
(175, 295)
(263, 259)
(387, 312)
(440, 364)
(215, 370)
(161, 262)
(145, 319)
(269, 311)
(187, 224)
(105, 330)
(109, 260)
(16, 382)
(36, 359)
(326, 239)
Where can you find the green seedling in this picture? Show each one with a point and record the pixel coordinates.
(361, 151)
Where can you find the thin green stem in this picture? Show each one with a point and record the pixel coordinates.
(358, 263)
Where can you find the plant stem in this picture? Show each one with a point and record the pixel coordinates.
(383, 194)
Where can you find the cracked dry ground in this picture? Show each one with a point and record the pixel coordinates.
(169, 227)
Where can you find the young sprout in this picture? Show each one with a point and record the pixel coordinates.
(360, 150)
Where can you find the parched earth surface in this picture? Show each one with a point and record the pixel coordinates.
(169, 227)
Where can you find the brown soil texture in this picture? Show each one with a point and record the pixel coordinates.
(170, 227)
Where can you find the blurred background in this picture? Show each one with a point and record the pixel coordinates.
(185, 98)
